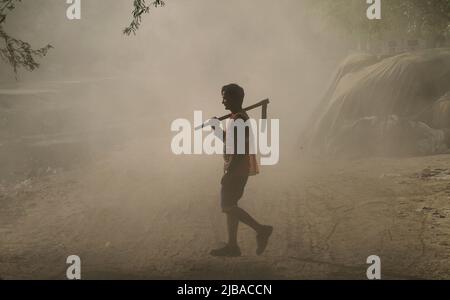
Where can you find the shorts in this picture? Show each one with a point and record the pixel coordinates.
(232, 190)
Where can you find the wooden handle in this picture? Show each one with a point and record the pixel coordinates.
(263, 103)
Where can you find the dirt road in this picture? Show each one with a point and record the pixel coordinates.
(129, 218)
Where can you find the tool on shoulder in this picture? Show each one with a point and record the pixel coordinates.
(263, 103)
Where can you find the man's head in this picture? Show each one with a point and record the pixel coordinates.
(233, 97)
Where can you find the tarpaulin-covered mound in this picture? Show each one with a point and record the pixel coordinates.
(394, 106)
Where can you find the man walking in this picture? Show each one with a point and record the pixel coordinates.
(237, 168)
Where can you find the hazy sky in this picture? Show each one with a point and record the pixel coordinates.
(187, 50)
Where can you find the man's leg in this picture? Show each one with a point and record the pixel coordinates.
(263, 232)
(244, 217)
(232, 226)
(232, 248)
(230, 195)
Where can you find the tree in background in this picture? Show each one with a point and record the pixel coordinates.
(20, 54)
(412, 19)
(424, 19)
(15, 52)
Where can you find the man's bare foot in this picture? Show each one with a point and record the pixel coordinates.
(262, 239)
(227, 251)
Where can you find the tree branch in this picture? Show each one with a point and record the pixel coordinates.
(16, 52)
(140, 7)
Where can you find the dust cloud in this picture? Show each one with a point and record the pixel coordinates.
(96, 78)
(86, 143)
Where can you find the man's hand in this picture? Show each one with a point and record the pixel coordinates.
(220, 134)
(212, 121)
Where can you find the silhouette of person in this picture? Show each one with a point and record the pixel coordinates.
(237, 168)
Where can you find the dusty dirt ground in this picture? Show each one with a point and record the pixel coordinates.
(128, 218)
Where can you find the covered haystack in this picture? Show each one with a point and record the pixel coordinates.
(440, 117)
(398, 105)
